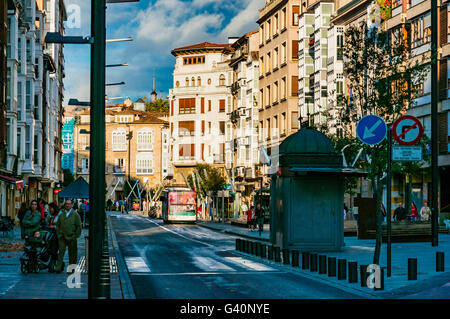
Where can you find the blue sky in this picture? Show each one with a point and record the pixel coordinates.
(157, 27)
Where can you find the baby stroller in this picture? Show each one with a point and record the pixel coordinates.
(40, 252)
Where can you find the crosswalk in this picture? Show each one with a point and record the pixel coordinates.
(82, 266)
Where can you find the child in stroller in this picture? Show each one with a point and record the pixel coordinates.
(40, 252)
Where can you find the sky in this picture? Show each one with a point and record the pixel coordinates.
(157, 27)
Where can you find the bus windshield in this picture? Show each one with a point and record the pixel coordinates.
(182, 201)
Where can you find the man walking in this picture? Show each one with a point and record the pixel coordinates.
(68, 229)
(259, 212)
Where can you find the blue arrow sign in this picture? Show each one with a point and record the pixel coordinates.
(371, 129)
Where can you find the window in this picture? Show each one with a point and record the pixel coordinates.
(221, 106)
(186, 151)
(187, 82)
(186, 106)
(186, 128)
(275, 24)
(421, 30)
(199, 81)
(222, 80)
(294, 49)
(144, 163)
(283, 88)
(294, 120)
(294, 85)
(28, 142)
(268, 63)
(268, 30)
(193, 81)
(119, 140)
(261, 65)
(119, 165)
(283, 53)
(295, 13)
(275, 58)
(194, 60)
(85, 164)
(84, 144)
(283, 123)
(283, 18)
(275, 91)
(28, 97)
(145, 140)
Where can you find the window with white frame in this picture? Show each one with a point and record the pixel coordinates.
(119, 140)
(144, 163)
(145, 140)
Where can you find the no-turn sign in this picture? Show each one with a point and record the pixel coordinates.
(407, 130)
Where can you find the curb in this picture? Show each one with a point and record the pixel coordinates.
(124, 278)
(234, 233)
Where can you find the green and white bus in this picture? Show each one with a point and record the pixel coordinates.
(179, 205)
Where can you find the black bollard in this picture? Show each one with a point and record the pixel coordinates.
(412, 268)
(277, 253)
(263, 250)
(313, 262)
(258, 249)
(295, 258)
(322, 264)
(270, 252)
(342, 269)
(331, 266)
(352, 272)
(286, 256)
(440, 261)
(363, 274)
(244, 245)
(254, 248)
(305, 260)
(237, 244)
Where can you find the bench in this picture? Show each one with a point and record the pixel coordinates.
(404, 231)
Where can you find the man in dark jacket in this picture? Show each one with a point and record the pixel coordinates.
(400, 213)
(68, 229)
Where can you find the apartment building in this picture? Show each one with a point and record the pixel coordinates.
(278, 71)
(242, 149)
(137, 147)
(199, 103)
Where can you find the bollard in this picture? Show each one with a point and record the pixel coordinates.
(342, 269)
(277, 254)
(286, 256)
(412, 268)
(258, 249)
(270, 252)
(381, 280)
(352, 272)
(364, 275)
(440, 261)
(263, 250)
(313, 262)
(295, 258)
(247, 247)
(253, 248)
(322, 264)
(237, 244)
(305, 260)
(331, 266)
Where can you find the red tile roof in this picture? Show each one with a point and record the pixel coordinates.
(201, 46)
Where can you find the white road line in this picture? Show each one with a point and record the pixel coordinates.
(136, 264)
(209, 264)
(209, 273)
(178, 234)
(249, 264)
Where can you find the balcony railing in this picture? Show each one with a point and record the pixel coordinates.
(219, 158)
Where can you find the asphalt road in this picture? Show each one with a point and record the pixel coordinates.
(188, 261)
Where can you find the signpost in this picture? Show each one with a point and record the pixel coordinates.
(371, 129)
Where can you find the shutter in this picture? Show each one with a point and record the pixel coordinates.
(203, 105)
(294, 85)
(295, 49)
(171, 108)
(171, 152)
(209, 105)
(443, 79)
(443, 133)
(221, 105)
(443, 23)
(180, 150)
(192, 149)
(203, 127)
(203, 151)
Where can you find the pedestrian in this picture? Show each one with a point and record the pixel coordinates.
(32, 220)
(109, 204)
(82, 212)
(250, 215)
(259, 212)
(414, 212)
(20, 216)
(425, 212)
(68, 229)
(40, 209)
(400, 213)
(345, 211)
(52, 217)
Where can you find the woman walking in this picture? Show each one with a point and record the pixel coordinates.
(250, 218)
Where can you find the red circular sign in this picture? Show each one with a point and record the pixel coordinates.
(407, 130)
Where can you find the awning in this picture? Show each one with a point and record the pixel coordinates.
(329, 170)
(16, 181)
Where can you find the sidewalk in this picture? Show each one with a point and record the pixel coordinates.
(362, 251)
(45, 285)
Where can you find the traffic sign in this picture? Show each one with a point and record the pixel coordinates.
(371, 129)
(406, 153)
(407, 130)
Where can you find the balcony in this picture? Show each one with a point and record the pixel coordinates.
(119, 170)
(235, 87)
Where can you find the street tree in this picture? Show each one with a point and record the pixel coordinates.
(205, 179)
(384, 80)
(160, 105)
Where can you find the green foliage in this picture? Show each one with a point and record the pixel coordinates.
(68, 177)
(160, 105)
(203, 183)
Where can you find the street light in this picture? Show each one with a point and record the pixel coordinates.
(113, 84)
(75, 102)
(119, 40)
(116, 65)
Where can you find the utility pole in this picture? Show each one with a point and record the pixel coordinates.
(434, 124)
(97, 153)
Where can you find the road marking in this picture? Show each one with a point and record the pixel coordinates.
(250, 264)
(176, 233)
(209, 273)
(207, 263)
(136, 264)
